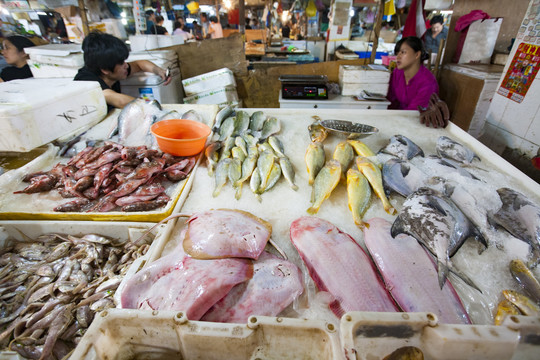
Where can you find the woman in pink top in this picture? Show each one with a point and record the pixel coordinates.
(413, 87)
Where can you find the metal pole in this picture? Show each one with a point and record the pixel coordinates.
(84, 18)
(377, 31)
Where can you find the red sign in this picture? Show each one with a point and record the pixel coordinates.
(521, 72)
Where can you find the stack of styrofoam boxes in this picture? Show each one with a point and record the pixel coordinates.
(55, 60)
(216, 87)
(355, 78)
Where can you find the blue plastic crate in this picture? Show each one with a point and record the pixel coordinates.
(367, 54)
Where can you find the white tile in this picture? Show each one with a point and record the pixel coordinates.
(496, 109)
(504, 139)
(488, 133)
(533, 133)
(518, 117)
(528, 148)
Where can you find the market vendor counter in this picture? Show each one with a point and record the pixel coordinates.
(334, 101)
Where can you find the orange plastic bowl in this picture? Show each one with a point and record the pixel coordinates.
(180, 137)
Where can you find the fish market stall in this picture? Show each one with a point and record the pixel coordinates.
(478, 269)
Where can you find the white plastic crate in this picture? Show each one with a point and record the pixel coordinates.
(203, 83)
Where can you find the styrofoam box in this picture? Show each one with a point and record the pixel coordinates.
(54, 50)
(211, 80)
(149, 86)
(222, 96)
(75, 60)
(34, 112)
(362, 74)
(162, 58)
(151, 42)
(369, 335)
(51, 70)
(352, 89)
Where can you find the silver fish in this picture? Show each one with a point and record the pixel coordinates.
(443, 167)
(238, 153)
(402, 177)
(235, 173)
(264, 164)
(135, 120)
(438, 224)
(241, 143)
(257, 121)
(275, 174)
(221, 175)
(451, 149)
(242, 123)
(521, 218)
(271, 126)
(226, 148)
(277, 146)
(255, 183)
(248, 166)
(212, 156)
(288, 172)
(222, 115)
(227, 128)
(402, 147)
(193, 115)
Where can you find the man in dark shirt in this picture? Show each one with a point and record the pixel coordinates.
(105, 62)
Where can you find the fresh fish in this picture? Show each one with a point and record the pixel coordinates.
(242, 123)
(525, 304)
(271, 126)
(344, 153)
(222, 115)
(325, 182)
(238, 153)
(275, 280)
(402, 176)
(212, 156)
(410, 275)
(276, 145)
(358, 194)
(317, 132)
(444, 168)
(521, 218)
(451, 149)
(361, 149)
(504, 309)
(235, 172)
(257, 121)
(275, 174)
(438, 224)
(250, 140)
(374, 176)
(248, 166)
(221, 174)
(131, 114)
(223, 233)
(526, 279)
(402, 147)
(264, 164)
(265, 146)
(288, 172)
(193, 115)
(241, 143)
(255, 183)
(339, 266)
(227, 128)
(226, 148)
(315, 159)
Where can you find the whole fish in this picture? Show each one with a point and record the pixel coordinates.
(241, 143)
(242, 122)
(276, 145)
(526, 279)
(288, 172)
(271, 126)
(234, 174)
(339, 266)
(227, 128)
(222, 115)
(451, 149)
(265, 146)
(504, 309)
(265, 162)
(275, 175)
(248, 166)
(344, 153)
(317, 132)
(255, 183)
(250, 140)
(361, 149)
(410, 275)
(402, 147)
(257, 121)
(402, 176)
(374, 176)
(358, 195)
(438, 224)
(325, 182)
(315, 159)
(238, 153)
(221, 174)
(521, 218)
(226, 148)
(444, 168)
(193, 115)
(212, 156)
(522, 302)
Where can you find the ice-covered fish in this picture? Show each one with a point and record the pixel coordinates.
(315, 159)
(325, 182)
(451, 149)
(358, 195)
(504, 309)
(444, 168)
(275, 284)
(438, 224)
(340, 266)
(521, 218)
(224, 233)
(529, 283)
(374, 176)
(410, 275)
(402, 147)
(402, 176)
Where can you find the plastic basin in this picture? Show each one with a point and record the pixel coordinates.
(180, 137)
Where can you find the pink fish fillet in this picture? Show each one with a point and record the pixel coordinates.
(275, 284)
(178, 282)
(410, 275)
(225, 233)
(340, 266)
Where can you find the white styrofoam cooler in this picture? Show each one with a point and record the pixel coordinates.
(226, 95)
(352, 89)
(162, 58)
(55, 60)
(34, 112)
(51, 70)
(151, 42)
(353, 79)
(202, 83)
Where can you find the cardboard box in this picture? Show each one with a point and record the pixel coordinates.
(34, 112)
(67, 11)
(203, 83)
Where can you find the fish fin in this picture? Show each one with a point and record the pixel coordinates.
(480, 238)
(467, 280)
(442, 271)
(435, 205)
(448, 189)
(534, 259)
(312, 210)
(398, 227)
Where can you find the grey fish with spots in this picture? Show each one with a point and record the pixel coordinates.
(402, 147)
(451, 149)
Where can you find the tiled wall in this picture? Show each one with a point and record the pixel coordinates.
(517, 125)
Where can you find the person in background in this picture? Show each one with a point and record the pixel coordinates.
(150, 22)
(160, 29)
(435, 34)
(180, 29)
(105, 62)
(413, 87)
(197, 30)
(215, 30)
(205, 26)
(286, 30)
(15, 56)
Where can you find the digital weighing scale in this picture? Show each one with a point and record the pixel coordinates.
(304, 87)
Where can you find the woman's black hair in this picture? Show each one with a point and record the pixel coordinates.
(213, 19)
(437, 19)
(177, 25)
(103, 52)
(159, 18)
(20, 42)
(415, 43)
